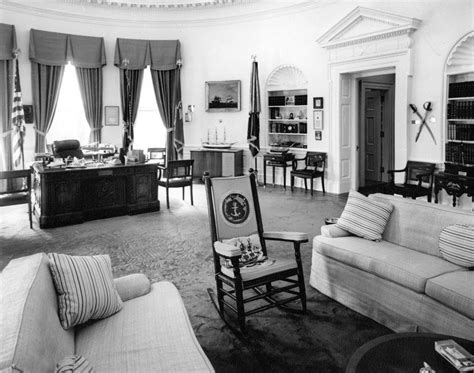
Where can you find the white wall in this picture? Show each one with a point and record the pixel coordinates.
(223, 52)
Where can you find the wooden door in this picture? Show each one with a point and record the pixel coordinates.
(372, 135)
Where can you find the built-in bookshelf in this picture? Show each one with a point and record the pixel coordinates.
(287, 118)
(460, 120)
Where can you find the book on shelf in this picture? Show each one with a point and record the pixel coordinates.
(462, 360)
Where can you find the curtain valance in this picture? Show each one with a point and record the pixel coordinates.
(56, 49)
(7, 41)
(158, 54)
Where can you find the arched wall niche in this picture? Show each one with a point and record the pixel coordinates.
(286, 77)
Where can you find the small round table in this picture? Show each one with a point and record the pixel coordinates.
(403, 353)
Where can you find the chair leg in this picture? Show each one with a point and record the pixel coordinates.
(311, 186)
(305, 185)
(300, 275)
(183, 193)
(322, 183)
(168, 198)
(240, 305)
(191, 191)
(292, 182)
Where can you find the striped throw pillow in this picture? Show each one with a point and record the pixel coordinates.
(364, 217)
(456, 243)
(85, 287)
(74, 364)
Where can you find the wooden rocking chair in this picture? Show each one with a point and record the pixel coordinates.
(243, 271)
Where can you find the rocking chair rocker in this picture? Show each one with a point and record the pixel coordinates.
(244, 274)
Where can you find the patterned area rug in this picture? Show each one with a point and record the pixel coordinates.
(175, 245)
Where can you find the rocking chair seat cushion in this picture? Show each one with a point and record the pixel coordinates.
(250, 249)
(261, 269)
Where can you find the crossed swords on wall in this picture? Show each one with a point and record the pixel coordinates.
(427, 107)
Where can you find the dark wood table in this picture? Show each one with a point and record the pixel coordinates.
(273, 160)
(403, 353)
(454, 185)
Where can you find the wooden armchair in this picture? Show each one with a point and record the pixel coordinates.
(13, 186)
(418, 180)
(314, 166)
(176, 174)
(247, 280)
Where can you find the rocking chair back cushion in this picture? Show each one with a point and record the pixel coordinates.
(234, 207)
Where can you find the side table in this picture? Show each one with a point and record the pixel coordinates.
(273, 160)
(454, 185)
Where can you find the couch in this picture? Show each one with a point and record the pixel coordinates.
(151, 333)
(401, 281)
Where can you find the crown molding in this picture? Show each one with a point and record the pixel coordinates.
(172, 17)
(393, 25)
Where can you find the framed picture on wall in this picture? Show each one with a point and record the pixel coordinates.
(223, 95)
(111, 114)
(318, 120)
(318, 103)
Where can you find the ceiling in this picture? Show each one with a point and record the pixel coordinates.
(161, 12)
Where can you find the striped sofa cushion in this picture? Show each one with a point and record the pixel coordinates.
(364, 216)
(74, 364)
(456, 243)
(85, 288)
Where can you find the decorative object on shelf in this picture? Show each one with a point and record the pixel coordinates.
(318, 120)
(318, 135)
(427, 107)
(318, 103)
(111, 114)
(290, 100)
(223, 95)
(291, 116)
(218, 138)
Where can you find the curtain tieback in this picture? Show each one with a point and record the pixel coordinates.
(96, 129)
(7, 132)
(40, 132)
(170, 129)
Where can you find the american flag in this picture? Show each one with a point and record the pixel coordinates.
(18, 122)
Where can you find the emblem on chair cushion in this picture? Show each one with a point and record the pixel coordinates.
(235, 208)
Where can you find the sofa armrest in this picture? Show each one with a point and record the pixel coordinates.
(132, 286)
(333, 231)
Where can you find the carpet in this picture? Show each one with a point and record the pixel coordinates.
(175, 245)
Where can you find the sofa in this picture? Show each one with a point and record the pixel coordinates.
(401, 281)
(151, 332)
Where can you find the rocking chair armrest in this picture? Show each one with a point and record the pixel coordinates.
(227, 251)
(286, 236)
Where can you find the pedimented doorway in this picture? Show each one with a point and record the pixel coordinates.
(365, 43)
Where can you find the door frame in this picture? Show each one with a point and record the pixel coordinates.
(343, 167)
(389, 129)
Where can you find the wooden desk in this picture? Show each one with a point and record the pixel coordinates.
(70, 196)
(454, 185)
(218, 162)
(276, 160)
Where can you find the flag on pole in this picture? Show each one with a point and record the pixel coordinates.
(18, 122)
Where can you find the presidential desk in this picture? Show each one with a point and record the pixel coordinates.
(63, 196)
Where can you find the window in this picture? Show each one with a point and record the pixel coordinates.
(149, 130)
(69, 121)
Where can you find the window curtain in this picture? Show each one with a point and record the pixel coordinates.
(90, 84)
(46, 81)
(164, 59)
(168, 97)
(49, 53)
(7, 47)
(130, 89)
